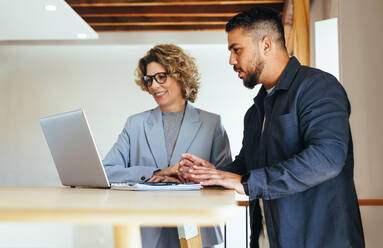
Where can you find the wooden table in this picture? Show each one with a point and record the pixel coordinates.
(125, 210)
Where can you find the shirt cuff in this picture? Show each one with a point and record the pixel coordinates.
(245, 186)
(256, 184)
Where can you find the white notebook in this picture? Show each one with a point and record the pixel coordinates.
(155, 186)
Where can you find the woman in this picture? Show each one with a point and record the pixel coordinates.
(151, 143)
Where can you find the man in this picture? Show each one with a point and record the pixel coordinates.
(297, 152)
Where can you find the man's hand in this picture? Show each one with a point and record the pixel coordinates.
(187, 162)
(197, 170)
(208, 176)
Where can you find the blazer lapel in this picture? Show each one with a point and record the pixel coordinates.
(154, 132)
(189, 129)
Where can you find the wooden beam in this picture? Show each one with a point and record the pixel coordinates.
(362, 202)
(159, 28)
(103, 3)
(147, 15)
(228, 15)
(302, 31)
(154, 20)
(370, 202)
(156, 23)
(146, 10)
(159, 24)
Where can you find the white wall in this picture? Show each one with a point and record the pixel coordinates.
(38, 79)
(361, 61)
(360, 55)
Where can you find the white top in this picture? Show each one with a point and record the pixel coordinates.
(263, 239)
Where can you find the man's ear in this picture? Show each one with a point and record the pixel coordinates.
(266, 45)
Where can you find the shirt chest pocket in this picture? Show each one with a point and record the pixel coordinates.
(285, 121)
(285, 136)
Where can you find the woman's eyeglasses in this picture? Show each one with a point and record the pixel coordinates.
(160, 78)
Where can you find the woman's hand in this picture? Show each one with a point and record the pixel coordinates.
(169, 174)
(170, 171)
(163, 179)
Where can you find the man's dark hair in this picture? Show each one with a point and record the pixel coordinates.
(259, 22)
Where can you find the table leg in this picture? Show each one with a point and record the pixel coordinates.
(190, 236)
(126, 236)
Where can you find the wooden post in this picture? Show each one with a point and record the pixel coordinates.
(127, 236)
(302, 31)
(190, 236)
(288, 25)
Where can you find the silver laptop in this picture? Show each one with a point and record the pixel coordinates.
(73, 150)
(76, 157)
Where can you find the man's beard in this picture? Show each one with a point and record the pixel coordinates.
(252, 78)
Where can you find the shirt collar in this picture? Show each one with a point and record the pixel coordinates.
(288, 74)
(284, 80)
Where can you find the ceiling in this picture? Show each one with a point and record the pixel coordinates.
(166, 15)
(41, 20)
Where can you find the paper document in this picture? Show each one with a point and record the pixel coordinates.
(155, 186)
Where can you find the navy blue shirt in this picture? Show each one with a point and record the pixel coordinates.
(302, 165)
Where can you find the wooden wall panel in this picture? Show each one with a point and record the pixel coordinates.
(302, 31)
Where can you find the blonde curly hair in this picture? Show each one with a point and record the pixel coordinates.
(177, 64)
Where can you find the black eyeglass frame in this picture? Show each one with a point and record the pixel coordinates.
(148, 80)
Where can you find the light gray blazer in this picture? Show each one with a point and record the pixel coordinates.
(140, 150)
